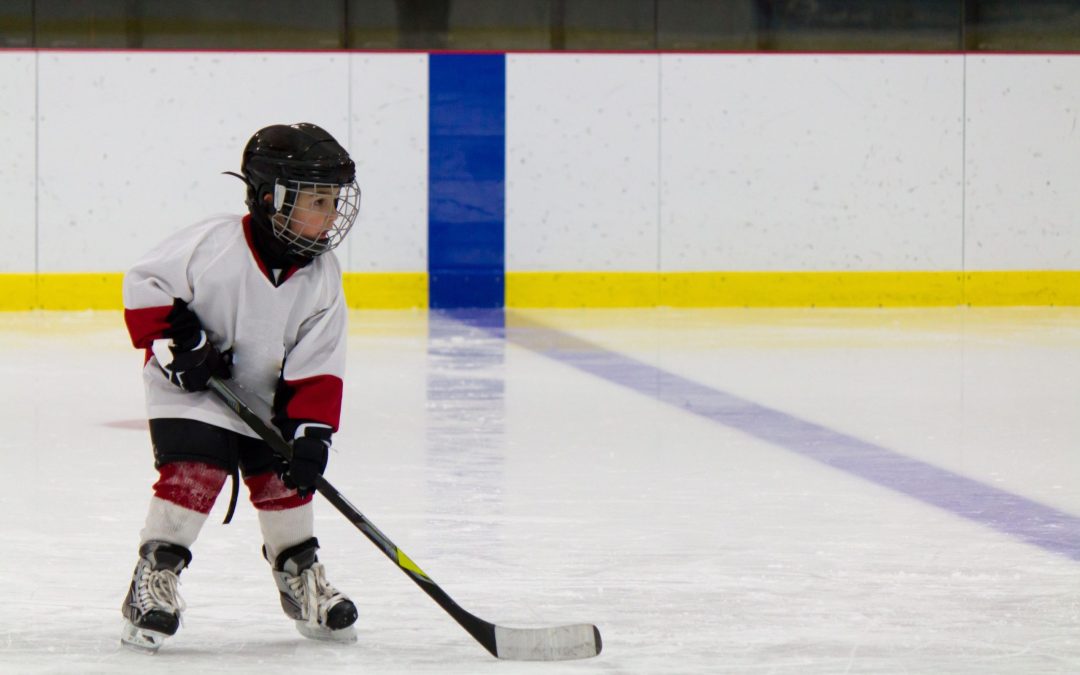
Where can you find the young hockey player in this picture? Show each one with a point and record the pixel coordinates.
(256, 298)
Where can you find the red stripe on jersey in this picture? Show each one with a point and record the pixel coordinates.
(249, 238)
(315, 398)
(147, 324)
(193, 485)
(269, 493)
(287, 273)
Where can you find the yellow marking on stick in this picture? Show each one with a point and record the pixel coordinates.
(406, 562)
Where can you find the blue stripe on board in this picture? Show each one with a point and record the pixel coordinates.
(1037, 524)
(466, 180)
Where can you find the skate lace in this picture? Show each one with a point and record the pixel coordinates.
(158, 590)
(316, 594)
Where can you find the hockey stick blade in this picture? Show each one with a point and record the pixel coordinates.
(559, 643)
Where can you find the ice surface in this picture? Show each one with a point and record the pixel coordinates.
(508, 463)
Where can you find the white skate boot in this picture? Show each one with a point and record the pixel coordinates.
(321, 611)
(153, 605)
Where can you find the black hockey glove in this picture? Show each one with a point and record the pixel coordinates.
(311, 450)
(194, 361)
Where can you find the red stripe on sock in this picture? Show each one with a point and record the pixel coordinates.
(269, 493)
(193, 485)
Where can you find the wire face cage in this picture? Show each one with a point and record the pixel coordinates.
(313, 218)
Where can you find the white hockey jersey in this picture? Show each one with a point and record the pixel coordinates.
(288, 338)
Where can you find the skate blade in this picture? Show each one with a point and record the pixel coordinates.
(140, 640)
(325, 634)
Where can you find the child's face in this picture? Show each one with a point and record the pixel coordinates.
(314, 213)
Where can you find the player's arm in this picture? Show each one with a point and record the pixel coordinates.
(157, 291)
(307, 404)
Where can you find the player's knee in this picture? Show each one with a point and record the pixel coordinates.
(193, 485)
(269, 493)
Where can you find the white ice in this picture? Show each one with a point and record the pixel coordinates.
(536, 494)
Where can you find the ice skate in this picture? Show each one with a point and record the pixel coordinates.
(320, 611)
(153, 605)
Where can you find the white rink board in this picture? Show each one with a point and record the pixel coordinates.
(389, 142)
(17, 162)
(138, 141)
(1023, 162)
(614, 162)
(782, 162)
(581, 169)
(159, 147)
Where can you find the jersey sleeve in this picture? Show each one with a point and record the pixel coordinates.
(310, 388)
(156, 292)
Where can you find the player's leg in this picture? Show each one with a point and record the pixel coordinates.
(191, 458)
(320, 611)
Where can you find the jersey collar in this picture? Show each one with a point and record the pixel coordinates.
(265, 258)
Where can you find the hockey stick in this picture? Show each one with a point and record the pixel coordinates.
(559, 643)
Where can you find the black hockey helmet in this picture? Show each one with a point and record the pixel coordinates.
(284, 161)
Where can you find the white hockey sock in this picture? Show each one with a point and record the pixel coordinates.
(285, 528)
(173, 523)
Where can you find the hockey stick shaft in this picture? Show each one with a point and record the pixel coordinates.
(537, 644)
